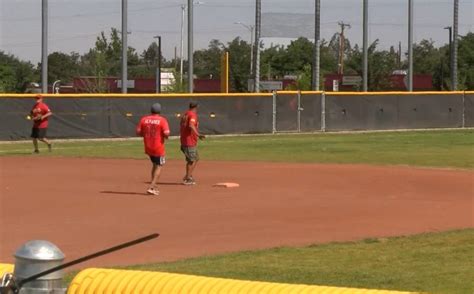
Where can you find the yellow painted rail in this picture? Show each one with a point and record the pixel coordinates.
(5, 268)
(106, 281)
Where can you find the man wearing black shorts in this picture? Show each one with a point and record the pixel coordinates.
(40, 114)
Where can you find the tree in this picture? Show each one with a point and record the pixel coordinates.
(381, 65)
(207, 62)
(466, 62)
(15, 75)
(426, 57)
(239, 62)
(62, 66)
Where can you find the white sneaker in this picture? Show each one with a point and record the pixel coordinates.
(189, 181)
(153, 192)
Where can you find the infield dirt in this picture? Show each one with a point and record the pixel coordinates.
(85, 205)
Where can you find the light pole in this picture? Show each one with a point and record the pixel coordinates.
(450, 29)
(181, 53)
(124, 46)
(251, 29)
(44, 46)
(158, 69)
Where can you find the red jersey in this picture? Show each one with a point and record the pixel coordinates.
(187, 136)
(40, 108)
(154, 129)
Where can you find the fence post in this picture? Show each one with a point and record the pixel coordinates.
(274, 96)
(464, 109)
(298, 113)
(323, 111)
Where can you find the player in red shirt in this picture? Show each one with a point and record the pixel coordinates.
(189, 135)
(40, 113)
(155, 130)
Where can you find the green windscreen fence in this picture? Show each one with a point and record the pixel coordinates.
(116, 116)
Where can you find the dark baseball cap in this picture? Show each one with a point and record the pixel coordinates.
(193, 104)
(156, 108)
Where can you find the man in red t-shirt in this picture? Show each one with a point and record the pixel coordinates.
(155, 130)
(189, 134)
(40, 113)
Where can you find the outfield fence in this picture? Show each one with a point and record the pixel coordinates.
(116, 115)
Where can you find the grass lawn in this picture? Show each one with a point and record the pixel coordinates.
(434, 263)
(428, 148)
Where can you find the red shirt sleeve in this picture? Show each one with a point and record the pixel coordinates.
(45, 108)
(192, 119)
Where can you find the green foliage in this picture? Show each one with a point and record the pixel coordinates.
(466, 61)
(239, 62)
(104, 60)
(381, 64)
(15, 75)
(62, 66)
(207, 62)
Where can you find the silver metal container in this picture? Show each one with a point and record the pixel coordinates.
(35, 257)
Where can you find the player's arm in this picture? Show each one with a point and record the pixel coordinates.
(138, 129)
(47, 114)
(166, 129)
(192, 126)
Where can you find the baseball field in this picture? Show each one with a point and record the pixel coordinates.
(386, 210)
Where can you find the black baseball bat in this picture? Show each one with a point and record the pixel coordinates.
(85, 258)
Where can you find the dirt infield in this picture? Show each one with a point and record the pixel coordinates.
(85, 205)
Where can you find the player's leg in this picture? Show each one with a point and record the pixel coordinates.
(153, 171)
(42, 138)
(158, 162)
(34, 137)
(192, 158)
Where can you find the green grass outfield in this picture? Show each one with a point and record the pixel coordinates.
(435, 263)
(453, 149)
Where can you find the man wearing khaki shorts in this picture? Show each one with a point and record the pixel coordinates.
(189, 135)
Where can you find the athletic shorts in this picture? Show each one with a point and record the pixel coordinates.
(191, 153)
(38, 133)
(158, 160)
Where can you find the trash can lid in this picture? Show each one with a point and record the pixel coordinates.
(39, 250)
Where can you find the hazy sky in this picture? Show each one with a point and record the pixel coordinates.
(75, 24)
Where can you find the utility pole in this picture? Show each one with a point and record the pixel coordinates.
(410, 45)
(181, 55)
(365, 59)
(399, 61)
(44, 47)
(124, 47)
(454, 61)
(190, 46)
(158, 69)
(317, 45)
(450, 29)
(258, 23)
(342, 42)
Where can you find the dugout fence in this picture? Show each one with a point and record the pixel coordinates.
(116, 115)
